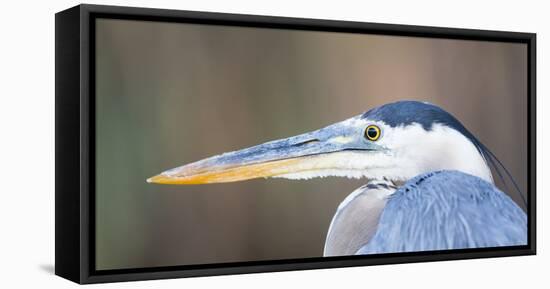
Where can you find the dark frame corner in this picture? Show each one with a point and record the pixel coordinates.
(75, 136)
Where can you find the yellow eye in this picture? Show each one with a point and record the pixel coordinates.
(372, 132)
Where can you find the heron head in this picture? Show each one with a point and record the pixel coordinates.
(396, 141)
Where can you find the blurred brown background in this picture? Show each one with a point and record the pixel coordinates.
(169, 94)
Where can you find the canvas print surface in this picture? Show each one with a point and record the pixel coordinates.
(218, 144)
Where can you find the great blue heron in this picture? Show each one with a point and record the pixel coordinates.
(430, 185)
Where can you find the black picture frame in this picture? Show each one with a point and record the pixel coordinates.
(75, 131)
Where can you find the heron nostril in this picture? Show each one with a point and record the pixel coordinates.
(309, 141)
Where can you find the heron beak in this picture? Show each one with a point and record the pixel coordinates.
(303, 153)
(195, 173)
(262, 161)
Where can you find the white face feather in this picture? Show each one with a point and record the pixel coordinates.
(410, 151)
(441, 148)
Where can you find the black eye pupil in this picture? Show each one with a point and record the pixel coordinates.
(372, 132)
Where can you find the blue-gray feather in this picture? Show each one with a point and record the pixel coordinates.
(406, 112)
(447, 210)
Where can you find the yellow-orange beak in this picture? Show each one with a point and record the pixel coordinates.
(187, 175)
